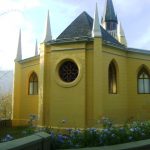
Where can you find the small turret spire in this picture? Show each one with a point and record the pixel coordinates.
(19, 50)
(48, 35)
(36, 49)
(96, 31)
(121, 30)
(122, 38)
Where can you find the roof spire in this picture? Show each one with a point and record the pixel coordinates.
(96, 31)
(121, 29)
(109, 13)
(122, 38)
(48, 35)
(36, 48)
(19, 50)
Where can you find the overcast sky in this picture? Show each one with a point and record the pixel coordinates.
(30, 16)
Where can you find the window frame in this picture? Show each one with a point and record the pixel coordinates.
(112, 67)
(70, 69)
(33, 79)
(140, 72)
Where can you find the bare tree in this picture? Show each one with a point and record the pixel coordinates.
(5, 100)
(6, 106)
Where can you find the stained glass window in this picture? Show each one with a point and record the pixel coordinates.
(68, 71)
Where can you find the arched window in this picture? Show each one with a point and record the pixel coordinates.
(112, 78)
(143, 81)
(33, 84)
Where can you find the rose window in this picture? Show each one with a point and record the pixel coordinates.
(68, 71)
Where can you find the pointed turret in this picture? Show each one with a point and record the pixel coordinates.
(36, 49)
(109, 20)
(48, 35)
(109, 14)
(96, 31)
(19, 50)
(121, 35)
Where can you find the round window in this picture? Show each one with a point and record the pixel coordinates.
(68, 71)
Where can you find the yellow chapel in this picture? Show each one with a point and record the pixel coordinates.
(86, 73)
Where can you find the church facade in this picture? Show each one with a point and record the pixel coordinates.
(86, 73)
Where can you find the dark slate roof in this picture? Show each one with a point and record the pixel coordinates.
(110, 12)
(136, 50)
(82, 27)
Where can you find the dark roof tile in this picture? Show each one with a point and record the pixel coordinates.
(81, 26)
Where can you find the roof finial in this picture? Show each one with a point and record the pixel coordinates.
(96, 31)
(36, 49)
(48, 35)
(19, 50)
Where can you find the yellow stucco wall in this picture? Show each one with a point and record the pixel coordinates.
(82, 102)
(24, 103)
(66, 100)
(139, 104)
(115, 105)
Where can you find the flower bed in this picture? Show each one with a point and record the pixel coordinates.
(94, 137)
(90, 137)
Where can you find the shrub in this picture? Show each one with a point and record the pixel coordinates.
(109, 135)
(91, 137)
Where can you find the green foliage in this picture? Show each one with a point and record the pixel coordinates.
(106, 122)
(32, 120)
(90, 137)
(109, 135)
(10, 133)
